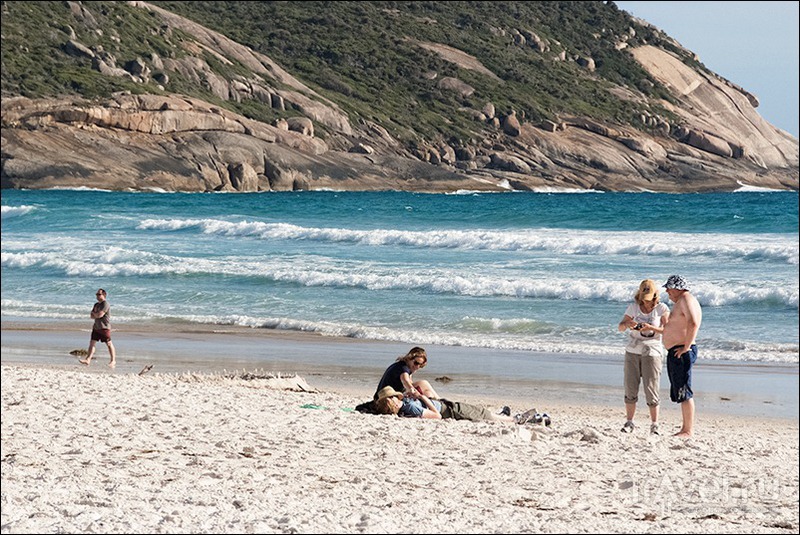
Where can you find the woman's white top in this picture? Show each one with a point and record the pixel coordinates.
(640, 340)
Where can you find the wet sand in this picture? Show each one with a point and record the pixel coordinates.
(353, 366)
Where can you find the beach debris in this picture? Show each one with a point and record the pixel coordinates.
(723, 398)
(782, 525)
(146, 369)
(257, 378)
(443, 379)
(525, 502)
(650, 517)
(79, 353)
(712, 516)
(587, 434)
(525, 434)
(532, 504)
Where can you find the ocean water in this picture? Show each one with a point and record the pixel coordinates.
(532, 272)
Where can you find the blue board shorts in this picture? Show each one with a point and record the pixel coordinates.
(679, 369)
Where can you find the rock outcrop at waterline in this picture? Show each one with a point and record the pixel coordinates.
(174, 142)
(182, 144)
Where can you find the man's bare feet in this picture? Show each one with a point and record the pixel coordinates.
(112, 364)
(682, 434)
(84, 362)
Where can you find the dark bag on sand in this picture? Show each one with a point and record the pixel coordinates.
(367, 407)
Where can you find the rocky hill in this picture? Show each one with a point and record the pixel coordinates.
(420, 96)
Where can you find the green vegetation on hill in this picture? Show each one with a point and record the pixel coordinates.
(362, 55)
(35, 62)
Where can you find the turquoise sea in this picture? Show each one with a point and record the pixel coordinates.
(531, 272)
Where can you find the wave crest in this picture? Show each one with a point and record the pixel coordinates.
(778, 248)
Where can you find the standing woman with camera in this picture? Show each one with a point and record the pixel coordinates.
(645, 319)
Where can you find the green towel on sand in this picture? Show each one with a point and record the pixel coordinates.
(312, 406)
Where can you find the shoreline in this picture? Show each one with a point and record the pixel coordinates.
(353, 366)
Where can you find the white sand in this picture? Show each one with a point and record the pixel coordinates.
(114, 453)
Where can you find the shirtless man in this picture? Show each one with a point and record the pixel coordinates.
(679, 337)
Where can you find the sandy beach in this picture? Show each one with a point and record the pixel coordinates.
(93, 450)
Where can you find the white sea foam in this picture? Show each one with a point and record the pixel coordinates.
(328, 272)
(80, 188)
(777, 248)
(749, 188)
(739, 352)
(155, 190)
(16, 211)
(550, 189)
(508, 325)
(471, 192)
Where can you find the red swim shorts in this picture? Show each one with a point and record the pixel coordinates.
(103, 335)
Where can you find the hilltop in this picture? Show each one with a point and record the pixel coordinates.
(419, 96)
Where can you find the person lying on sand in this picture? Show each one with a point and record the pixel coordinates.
(389, 401)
